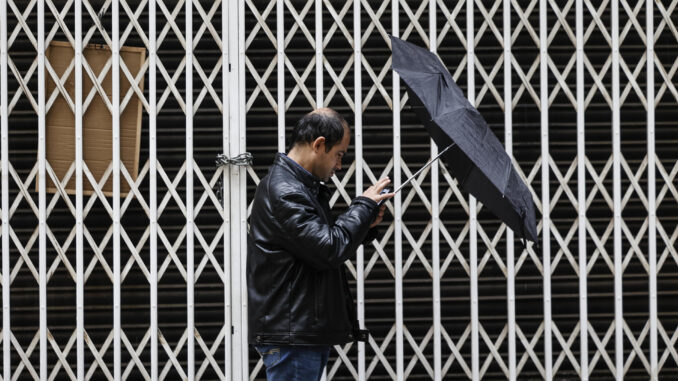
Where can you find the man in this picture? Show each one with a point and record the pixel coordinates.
(299, 299)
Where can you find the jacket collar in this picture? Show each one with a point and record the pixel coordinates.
(299, 172)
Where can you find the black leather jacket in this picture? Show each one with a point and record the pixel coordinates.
(297, 288)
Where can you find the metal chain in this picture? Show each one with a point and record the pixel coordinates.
(243, 160)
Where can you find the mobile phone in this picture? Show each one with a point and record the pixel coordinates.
(384, 191)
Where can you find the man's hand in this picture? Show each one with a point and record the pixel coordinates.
(374, 193)
(380, 216)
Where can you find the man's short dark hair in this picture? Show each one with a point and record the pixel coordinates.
(323, 122)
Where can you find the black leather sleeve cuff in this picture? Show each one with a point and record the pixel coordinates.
(372, 234)
(365, 200)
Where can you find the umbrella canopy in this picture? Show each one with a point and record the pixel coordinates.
(477, 160)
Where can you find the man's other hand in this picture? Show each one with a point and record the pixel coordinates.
(380, 216)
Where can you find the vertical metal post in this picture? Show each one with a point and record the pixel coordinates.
(473, 231)
(42, 205)
(358, 112)
(319, 54)
(319, 98)
(115, 76)
(508, 141)
(616, 180)
(435, 219)
(397, 219)
(80, 281)
(581, 197)
(280, 42)
(227, 80)
(319, 78)
(4, 146)
(545, 194)
(651, 191)
(153, 192)
(190, 272)
(238, 207)
(238, 373)
(242, 203)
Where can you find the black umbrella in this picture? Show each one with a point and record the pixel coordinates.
(476, 159)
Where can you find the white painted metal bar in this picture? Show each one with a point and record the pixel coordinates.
(237, 182)
(42, 204)
(358, 128)
(242, 201)
(508, 142)
(4, 157)
(616, 198)
(227, 79)
(80, 280)
(153, 179)
(545, 195)
(280, 40)
(319, 54)
(473, 231)
(115, 100)
(651, 189)
(239, 372)
(238, 338)
(581, 197)
(435, 220)
(190, 272)
(398, 207)
(318, 38)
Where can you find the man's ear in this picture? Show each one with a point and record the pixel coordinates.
(318, 144)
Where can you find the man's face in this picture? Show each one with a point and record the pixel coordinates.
(329, 162)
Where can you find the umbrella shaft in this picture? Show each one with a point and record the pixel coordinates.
(424, 167)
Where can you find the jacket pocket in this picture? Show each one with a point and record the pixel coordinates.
(269, 354)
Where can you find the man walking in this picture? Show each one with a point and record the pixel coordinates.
(299, 299)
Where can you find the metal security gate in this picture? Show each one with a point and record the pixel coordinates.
(582, 94)
(151, 285)
(140, 286)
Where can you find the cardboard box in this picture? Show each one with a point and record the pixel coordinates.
(97, 122)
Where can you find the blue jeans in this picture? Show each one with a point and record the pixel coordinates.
(293, 362)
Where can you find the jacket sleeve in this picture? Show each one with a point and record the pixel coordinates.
(371, 235)
(315, 242)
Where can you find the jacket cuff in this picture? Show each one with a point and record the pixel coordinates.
(372, 234)
(372, 205)
(365, 200)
